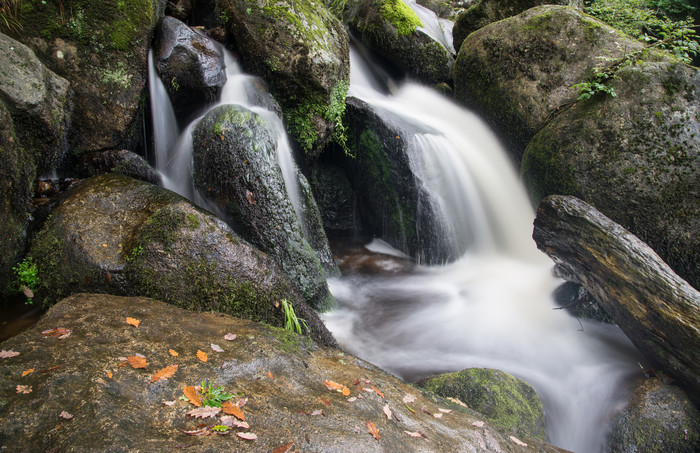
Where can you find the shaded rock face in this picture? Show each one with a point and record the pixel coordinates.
(301, 50)
(518, 72)
(38, 100)
(635, 157)
(191, 65)
(507, 402)
(335, 198)
(659, 418)
(117, 235)
(484, 12)
(281, 375)
(17, 174)
(392, 205)
(101, 49)
(576, 299)
(235, 165)
(391, 29)
(120, 161)
(653, 306)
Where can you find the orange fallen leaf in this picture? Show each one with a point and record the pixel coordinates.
(164, 373)
(232, 409)
(376, 390)
(201, 355)
(109, 374)
(26, 372)
(326, 401)
(283, 448)
(134, 322)
(173, 353)
(137, 361)
(57, 332)
(330, 385)
(24, 389)
(372, 429)
(249, 197)
(109, 277)
(191, 394)
(270, 375)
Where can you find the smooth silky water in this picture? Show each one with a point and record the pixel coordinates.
(492, 307)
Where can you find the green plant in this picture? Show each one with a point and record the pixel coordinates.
(291, 321)
(223, 16)
(135, 253)
(174, 84)
(597, 84)
(26, 276)
(213, 396)
(9, 19)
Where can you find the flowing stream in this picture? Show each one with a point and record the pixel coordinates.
(492, 308)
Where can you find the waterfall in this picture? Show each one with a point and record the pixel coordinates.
(492, 308)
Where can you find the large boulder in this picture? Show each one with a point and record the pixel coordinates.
(506, 401)
(120, 161)
(190, 65)
(236, 166)
(396, 33)
(518, 72)
(281, 375)
(635, 157)
(116, 235)
(101, 49)
(39, 101)
(483, 12)
(658, 419)
(301, 50)
(335, 198)
(654, 307)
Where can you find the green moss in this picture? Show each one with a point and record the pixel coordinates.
(231, 116)
(162, 227)
(401, 16)
(290, 342)
(544, 170)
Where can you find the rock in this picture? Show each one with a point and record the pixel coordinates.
(394, 31)
(506, 401)
(121, 161)
(653, 306)
(17, 174)
(635, 157)
(179, 9)
(335, 198)
(38, 100)
(659, 418)
(301, 50)
(190, 65)
(518, 72)
(484, 12)
(116, 235)
(281, 375)
(236, 166)
(101, 49)
(576, 299)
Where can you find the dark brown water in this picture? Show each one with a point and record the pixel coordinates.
(16, 316)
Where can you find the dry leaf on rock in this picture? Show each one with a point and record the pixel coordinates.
(437, 415)
(192, 396)
(409, 398)
(330, 385)
(201, 355)
(109, 374)
(232, 409)
(352, 399)
(283, 448)
(26, 372)
(518, 441)
(133, 321)
(249, 197)
(247, 436)
(216, 347)
(478, 424)
(416, 434)
(24, 389)
(270, 375)
(242, 402)
(458, 402)
(387, 411)
(197, 432)
(230, 336)
(204, 412)
(233, 422)
(137, 361)
(59, 332)
(169, 403)
(372, 429)
(445, 411)
(65, 415)
(173, 352)
(317, 412)
(164, 373)
(7, 354)
(377, 391)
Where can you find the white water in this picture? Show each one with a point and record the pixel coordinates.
(492, 308)
(438, 29)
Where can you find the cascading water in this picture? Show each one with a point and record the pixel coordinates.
(492, 308)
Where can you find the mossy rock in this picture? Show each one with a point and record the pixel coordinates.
(394, 31)
(120, 161)
(301, 50)
(117, 235)
(235, 164)
(635, 158)
(518, 72)
(658, 419)
(101, 49)
(509, 403)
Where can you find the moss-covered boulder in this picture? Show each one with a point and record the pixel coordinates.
(483, 12)
(117, 235)
(236, 166)
(101, 49)
(120, 161)
(335, 198)
(190, 64)
(635, 157)
(518, 72)
(508, 402)
(395, 32)
(658, 419)
(38, 100)
(301, 50)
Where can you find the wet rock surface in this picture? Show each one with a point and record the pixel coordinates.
(123, 162)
